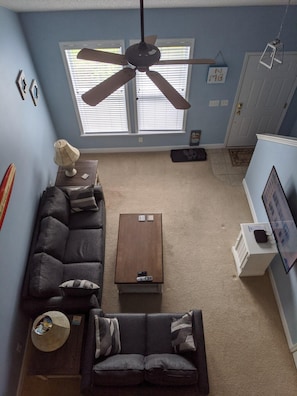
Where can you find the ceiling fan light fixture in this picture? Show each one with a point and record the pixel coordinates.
(142, 54)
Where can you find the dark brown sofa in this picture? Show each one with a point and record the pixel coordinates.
(147, 363)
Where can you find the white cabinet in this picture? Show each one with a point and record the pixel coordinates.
(252, 258)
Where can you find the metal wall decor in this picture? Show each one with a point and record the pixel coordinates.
(34, 91)
(22, 84)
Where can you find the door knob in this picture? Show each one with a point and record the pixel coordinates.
(239, 107)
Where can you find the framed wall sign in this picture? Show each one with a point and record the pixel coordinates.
(195, 138)
(217, 74)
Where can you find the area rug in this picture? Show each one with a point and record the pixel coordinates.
(241, 156)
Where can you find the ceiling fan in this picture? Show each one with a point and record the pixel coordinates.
(139, 57)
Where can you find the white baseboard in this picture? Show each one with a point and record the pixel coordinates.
(99, 150)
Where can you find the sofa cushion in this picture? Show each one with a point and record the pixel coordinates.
(46, 275)
(82, 199)
(169, 369)
(78, 287)
(55, 204)
(107, 337)
(182, 334)
(84, 245)
(92, 271)
(52, 237)
(119, 370)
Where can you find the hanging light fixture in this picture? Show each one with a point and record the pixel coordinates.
(274, 50)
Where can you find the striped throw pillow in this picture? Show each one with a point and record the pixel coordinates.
(182, 334)
(82, 199)
(108, 340)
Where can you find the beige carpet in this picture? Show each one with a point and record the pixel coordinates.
(247, 351)
(246, 347)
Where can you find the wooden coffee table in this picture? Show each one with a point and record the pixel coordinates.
(140, 248)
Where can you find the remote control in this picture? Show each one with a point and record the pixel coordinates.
(142, 273)
(148, 278)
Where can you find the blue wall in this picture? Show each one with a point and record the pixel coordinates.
(284, 158)
(26, 139)
(27, 132)
(232, 30)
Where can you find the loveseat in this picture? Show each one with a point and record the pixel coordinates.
(142, 354)
(66, 260)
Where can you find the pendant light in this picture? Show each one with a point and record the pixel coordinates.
(274, 50)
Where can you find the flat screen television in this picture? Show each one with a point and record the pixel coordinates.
(281, 220)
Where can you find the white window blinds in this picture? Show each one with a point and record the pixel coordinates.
(154, 111)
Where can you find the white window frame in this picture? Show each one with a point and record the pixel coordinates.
(128, 99)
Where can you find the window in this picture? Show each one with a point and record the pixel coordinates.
(153, 112)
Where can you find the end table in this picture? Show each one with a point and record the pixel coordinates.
(83, 167)
(63, 362)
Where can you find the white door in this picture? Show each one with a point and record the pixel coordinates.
(262, 99)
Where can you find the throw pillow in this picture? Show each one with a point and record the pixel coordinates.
(182, 334)
(107, 336)
(78, 287)
(82, 199)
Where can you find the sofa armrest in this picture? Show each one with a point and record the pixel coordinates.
(200, 355)
(88, 356)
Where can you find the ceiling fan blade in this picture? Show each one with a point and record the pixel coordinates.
(186, 62)
(108, 86)
(150, 39)
(102, 56)
(167, 89)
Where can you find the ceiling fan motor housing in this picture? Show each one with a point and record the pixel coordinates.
(142, 55)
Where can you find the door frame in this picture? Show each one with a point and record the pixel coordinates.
(239, 87)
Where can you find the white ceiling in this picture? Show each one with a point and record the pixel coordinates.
(59, 5)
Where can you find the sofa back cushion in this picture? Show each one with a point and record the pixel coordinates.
(132, 331)
(91, 271)
(159, 332)
(52, 237)
(55, 203)
(46, 275)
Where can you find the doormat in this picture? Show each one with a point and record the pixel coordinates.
(198, 154)
(241, 156)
